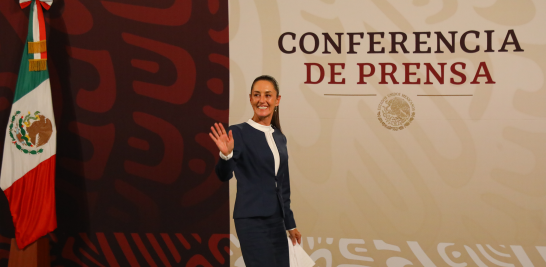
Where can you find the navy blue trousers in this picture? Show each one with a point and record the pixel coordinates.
(263, 240)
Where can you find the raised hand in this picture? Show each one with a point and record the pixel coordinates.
(224, 142)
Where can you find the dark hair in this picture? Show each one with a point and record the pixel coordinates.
(275, 122)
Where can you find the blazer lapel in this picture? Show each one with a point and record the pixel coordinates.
(281, 147)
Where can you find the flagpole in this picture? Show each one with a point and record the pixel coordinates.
(34, 255)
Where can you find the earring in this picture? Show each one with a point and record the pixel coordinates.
(275, 109)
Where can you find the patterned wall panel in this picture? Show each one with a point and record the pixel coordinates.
(136, 86)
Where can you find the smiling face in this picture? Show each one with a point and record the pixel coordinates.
(263, 99)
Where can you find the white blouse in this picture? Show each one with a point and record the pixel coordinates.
(268, 131)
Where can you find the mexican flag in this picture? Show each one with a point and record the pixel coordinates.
(28, 166)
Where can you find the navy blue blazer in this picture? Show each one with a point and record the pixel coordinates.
(254, 167)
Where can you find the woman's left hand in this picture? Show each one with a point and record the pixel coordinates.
(295, 235)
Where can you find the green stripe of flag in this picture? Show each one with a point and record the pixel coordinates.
(28, 80)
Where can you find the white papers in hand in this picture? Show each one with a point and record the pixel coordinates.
(298, 256)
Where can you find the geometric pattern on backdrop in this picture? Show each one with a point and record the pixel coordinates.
(135, 87)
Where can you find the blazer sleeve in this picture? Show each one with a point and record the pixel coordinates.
(224, 168)
(289, 221)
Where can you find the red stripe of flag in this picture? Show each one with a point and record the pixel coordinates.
(41, 25)
(32, 203)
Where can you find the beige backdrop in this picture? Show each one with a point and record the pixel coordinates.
(463, 185)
